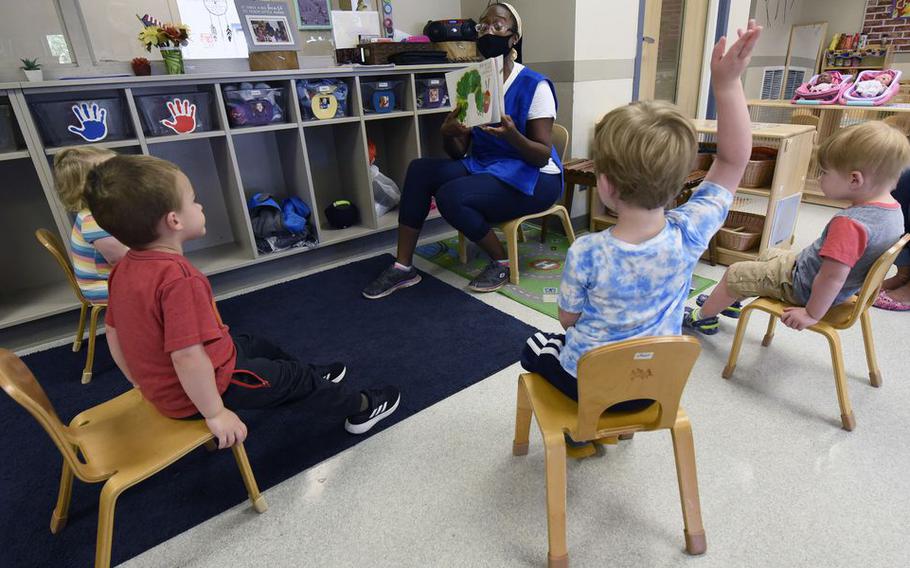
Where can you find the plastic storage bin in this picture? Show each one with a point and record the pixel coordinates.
(382, 96)
(7, 130)
(254, 105)
(322, 99)
(432, 92)
(164, 115)
(63, 123)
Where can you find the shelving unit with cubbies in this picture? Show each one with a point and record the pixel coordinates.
(319, 161)
(778, 202)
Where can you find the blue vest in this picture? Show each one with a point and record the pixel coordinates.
(492, 155)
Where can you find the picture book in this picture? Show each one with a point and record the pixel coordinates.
(478, 92)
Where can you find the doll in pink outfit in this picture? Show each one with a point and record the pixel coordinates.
(823, 84)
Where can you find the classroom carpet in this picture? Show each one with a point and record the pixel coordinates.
(430, 341)
(540, 268)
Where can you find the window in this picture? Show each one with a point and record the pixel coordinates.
(32, 30)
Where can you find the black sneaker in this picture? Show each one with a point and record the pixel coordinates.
(391, 279)
(493, 277)
(731, 311)
(382, 403)
(333, 372)
(708, 326)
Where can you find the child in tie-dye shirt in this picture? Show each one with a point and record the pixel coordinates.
(93, 250)
(632, 280)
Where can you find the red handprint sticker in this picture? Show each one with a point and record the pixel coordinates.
(183, 116)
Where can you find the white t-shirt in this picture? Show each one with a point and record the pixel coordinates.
(543, 105)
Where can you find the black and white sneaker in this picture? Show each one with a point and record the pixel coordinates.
(382, 403)
(333, 372)
(492, 278)
(390, 280)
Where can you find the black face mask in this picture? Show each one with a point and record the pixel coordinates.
(490, 45)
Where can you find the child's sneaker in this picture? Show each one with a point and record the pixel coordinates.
(382, 403)
(333, 372)
(731, 311)
(708, 326)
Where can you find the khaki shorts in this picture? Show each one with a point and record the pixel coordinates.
(770, 276)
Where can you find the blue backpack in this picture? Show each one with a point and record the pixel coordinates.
(270, 219)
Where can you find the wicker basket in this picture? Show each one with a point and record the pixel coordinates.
(760, 170)
(747, 237)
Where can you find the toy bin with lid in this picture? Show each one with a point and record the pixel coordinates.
(173, 114)
(254, 105)
(432, 92)
(382, 96)
(323, 99)
(85, 121)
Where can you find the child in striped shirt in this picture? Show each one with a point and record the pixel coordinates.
(93, 250)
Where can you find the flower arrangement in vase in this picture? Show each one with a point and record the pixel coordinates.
(168, 38)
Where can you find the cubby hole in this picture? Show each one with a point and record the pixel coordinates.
(177, 110)
(11, 140)
(207, 164)
(274, 163)
(395, 143)
(258, 105)
(430, 138)
(327, 99)
(337, 161)
(386, 95)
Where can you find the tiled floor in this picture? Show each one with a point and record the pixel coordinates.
(781, 484)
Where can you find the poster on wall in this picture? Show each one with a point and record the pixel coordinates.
(266, 25)
(313, 14)
(215, 31)
(900, 9)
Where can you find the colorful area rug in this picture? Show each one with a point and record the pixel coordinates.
(540, 266)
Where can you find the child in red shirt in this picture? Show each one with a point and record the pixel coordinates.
(165, 332)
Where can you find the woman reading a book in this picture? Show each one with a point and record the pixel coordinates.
(495, 173)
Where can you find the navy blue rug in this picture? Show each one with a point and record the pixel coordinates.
(431, 341)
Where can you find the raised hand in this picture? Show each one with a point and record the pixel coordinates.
(729, 66)
(92, 122)
(183, 116)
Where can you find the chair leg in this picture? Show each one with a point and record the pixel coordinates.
(544, 230)
(58, 517)
(512, 242)
(769, 335)
(737, 342)
(875, 375)
(80, 331)
(521, 234)
(246, 472)
(522, 421)
(106, 505)
(558, 556)
(92, 333)
(684, 452)
(462, 249)
(840, 379)
(712, 251)
(567, 225)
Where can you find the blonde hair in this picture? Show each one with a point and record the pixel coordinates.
(71, 168)
(876, 149)
(129, 195)
(646, 150)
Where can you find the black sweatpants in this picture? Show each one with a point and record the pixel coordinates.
(265, 376)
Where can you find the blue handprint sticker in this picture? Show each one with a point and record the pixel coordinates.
(92, 122)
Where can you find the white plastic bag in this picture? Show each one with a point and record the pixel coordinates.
(386, 194)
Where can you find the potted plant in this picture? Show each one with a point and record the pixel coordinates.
(32, 69)
(141, 66)
(168, 38)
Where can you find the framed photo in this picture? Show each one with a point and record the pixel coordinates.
(270, 30)
(313, 14)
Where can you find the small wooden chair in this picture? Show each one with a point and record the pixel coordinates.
(53, 245)
(120, 442)
(512, 229)
(655, 368)
(839, 317)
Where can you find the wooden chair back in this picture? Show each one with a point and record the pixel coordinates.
(54, 246)
(808, 119)
(654, 368)
(871, 285)
(560, 138)
(20, 384)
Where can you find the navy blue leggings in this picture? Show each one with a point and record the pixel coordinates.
(470, 203)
